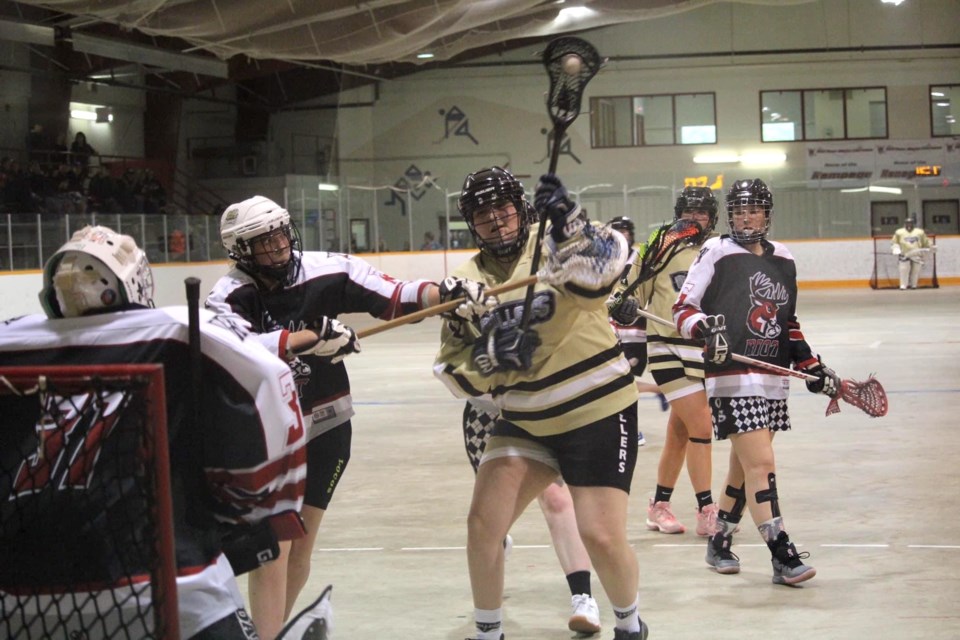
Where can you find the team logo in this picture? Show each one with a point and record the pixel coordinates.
(766, 298)
(677, 279)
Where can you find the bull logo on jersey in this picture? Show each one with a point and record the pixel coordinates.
(70, 436)
(766, 298)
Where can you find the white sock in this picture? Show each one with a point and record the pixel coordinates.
(628, 619)
(489, 623)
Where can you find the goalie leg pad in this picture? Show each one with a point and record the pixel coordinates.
(770, 495)
(592, 260)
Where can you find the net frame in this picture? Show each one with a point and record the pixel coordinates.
(152, 458)
(886, 275)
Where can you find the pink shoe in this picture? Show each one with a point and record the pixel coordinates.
(707, 520)
(660, 518)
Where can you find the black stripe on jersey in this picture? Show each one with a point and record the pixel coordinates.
(675, 340)
(590, 293)
(461, 381)
(562, 375)
(673, 358)
(594, 394)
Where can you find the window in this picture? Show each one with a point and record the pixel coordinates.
(823, 114)
(944, 108)
(641, 121)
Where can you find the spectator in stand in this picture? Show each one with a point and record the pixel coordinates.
(154, 195)
(60, 150)
(38, 144)
(81, 149)
(430, 242)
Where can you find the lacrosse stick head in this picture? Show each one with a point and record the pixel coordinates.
(570, 63)
(669, 240)
(868, 396)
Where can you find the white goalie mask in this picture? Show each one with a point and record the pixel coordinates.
(97, 269)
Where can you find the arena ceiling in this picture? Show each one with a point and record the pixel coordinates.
(284, 51)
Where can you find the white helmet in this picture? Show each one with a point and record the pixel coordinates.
(97, 269)
(252, 218)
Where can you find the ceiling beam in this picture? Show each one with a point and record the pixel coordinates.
(150, 56)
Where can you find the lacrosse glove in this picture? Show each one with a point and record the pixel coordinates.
(337, 340)
(551, 199)
(473, 301)
(716, 344)
(626, 312)
(502, 348)
(827, 382)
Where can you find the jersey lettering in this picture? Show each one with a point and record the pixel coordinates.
(762, 348)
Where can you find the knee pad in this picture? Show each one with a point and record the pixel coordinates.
(770, 495)
(739, 499)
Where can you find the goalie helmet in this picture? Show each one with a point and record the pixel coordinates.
(249, 230)
(749, 193)
(697, 199)
(97, 269)
(487, 189)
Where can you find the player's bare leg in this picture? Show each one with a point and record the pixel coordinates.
(301, 552)
(267, 589)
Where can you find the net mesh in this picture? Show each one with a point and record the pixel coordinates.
(886, 266)
(570, 62)
(85, 535)
(868, 396)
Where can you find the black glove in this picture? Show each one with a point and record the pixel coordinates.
(474, 302)
(337, 340)
(626, 312)
(827, 382)
(551, 199)
(504, 349)
(716, 345)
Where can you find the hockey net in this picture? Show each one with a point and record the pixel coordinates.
(86, 528)
(886, 272)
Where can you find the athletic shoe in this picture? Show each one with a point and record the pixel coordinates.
(507, 547)
(664, 405)
(719, 555)
(640, 439)
(586, 614)
(622, 634)
(660, 518)
(707, 520)
(788, 567)
(501, 638)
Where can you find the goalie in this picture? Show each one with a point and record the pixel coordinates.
(564, 391)
(909, 243)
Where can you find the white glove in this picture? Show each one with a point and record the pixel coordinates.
(474, 302)
(337, 341)
(895, 249)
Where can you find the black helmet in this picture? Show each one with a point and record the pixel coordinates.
(490, 187)
(697, 199)
(749, 192)
(623, 223)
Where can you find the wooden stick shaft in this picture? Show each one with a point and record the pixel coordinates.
(436, 310)
(737, 356)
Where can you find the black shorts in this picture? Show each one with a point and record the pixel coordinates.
(236, 626)
(600, 454)
(636, 355)
(327, 458)
(741, 415)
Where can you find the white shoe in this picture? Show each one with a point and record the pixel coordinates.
(586, 614)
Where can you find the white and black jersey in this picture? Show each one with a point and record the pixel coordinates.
(241, 462)
(758, 297)
(328, 284)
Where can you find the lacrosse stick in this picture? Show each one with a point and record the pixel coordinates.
(665, 245)
(441, 308)
(868, 396)
(570, 63)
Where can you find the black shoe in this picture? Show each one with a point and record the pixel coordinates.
(719, 555)
(788, 567)
(621, 634)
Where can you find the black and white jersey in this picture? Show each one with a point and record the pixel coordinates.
(758, 297)
(329, 284)
(243, 461)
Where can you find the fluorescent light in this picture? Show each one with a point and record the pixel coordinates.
(763, 158)
(936, 94)
(716, 158)
(424, 56)
(572, 14)
(83, 114)
(895, 3)
(324, 186)
(874, 189)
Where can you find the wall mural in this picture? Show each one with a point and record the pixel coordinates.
(566, 148)
(456, 122)
(413, 179)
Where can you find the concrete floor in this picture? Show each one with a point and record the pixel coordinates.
(876, 502)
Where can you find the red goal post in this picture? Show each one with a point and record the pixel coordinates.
(886, 273)
(86, 524)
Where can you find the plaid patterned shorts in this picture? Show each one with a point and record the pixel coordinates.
(741, 415)
(477, 425)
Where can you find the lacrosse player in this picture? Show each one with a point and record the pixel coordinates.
(631, 329)
(740, 296)
(907, 244)
(677, 366)
(231, 504)
(565, 394)
(291, 299)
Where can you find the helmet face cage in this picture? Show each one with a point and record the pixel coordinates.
(490, 188)
(697, 199)
(744, 193)
(246, 231)
(97, 269)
